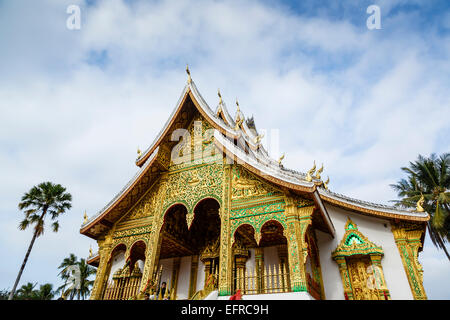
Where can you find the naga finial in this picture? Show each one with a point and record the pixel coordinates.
(189, 73)
(420, 203)
(280, 159)
(237, 104)
(238, 124)
(317, 176)
(139, 152)
(90, 252)
(85, 217)
(310, 173)
(325, 184)
(258, 138)
(220, 96)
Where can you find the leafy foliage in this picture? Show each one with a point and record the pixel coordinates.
(46, 198)
(85, 284)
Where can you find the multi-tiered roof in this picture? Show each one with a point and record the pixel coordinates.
(240, 140)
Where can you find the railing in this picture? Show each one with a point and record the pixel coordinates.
(271, 279)
(122, 288)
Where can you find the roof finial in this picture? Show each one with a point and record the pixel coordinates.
(319, 172)
(325, 184)
(420, 203)
(90, 251)
(85, 217)
(258, 138)
(220, 96)
(280, 159)
(189, 73)
(237, 104)
(311, 172)
(139, 152)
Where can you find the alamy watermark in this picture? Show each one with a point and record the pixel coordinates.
(374, 20)
(73, 22)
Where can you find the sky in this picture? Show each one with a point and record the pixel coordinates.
(76, 104)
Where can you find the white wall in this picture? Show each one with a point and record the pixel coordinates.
(166, 276)
(376, 231)
(200, 275)
(183, 278)
(117, 262)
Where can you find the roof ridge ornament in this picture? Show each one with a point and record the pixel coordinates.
(317, 176)
(139, 153)
(311, 172)
(220, 97)
(419, 205)
(85, 217)
(325, 184)
(280, 159)
(189, 74)
(258, 138)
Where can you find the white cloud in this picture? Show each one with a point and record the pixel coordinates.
(362, 102)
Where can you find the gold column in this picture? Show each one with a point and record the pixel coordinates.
(240, 272)
(298, 220)
(345, 277)
(407, 237)
(259, 263)
(193, 276)
(226, 256)
(175, 275)
(101, 277)
(154, 240)
(284, 264)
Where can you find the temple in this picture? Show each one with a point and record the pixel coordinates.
(210, 214)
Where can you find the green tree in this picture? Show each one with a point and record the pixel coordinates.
(4, 294)
(42, 200)
(26, 291)
(430, 178)
(65, 273)
(85, 283)
(81, 289)
(45, 292)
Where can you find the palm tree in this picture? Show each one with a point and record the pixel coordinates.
(26, 291)
(66, 272)
(83, 288)
(45, 292)
(430, 178)
(46, 198)
(85, 284)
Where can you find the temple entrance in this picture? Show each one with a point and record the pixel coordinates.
(189, 256)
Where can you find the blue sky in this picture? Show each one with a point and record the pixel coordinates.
(76, 104)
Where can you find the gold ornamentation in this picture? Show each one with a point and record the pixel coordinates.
(325, 184)
(408, 239)
(419, 206)
(139, 153)
(189, 74)
(258, 138)
(280, 159)
(310, 173)
(85, 217)
(220, 97)
(360, 267)
(317, 176)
